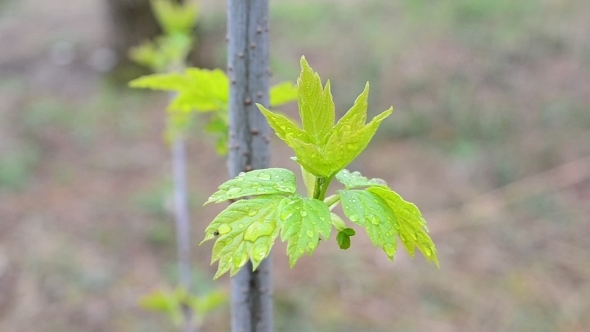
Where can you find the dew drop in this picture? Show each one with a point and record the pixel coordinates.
(241, 174)
(234, 190)
(309, 233)
(353, 217)
(224, 229)
(428, 252)
(240, 179)
(281, 187)
(240, 225)
(252, 213)
(241, 259)
(350, 146)
(263, 176)
(259, 251)
(374, 220)
(311, 245)
(303, 213)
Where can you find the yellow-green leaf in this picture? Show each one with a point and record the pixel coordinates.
(371, 212)
(409, 225)
(345, 144)
(356, 180)
(245, 230)
(316, 107)
(283, 126)
(170, 82)
(257, 182)
(303, 221)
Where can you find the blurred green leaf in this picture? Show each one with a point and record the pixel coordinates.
(175, 17)
(282, 93)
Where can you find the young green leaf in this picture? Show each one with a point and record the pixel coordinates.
(173, 81)
(316, 107)
(175, 17)
(371, 212)
(257, 182)
(303, 220)
(283, 126)
(356, 180)
(346, 143)
(343, 238)
(205, 304)
(247, 229)
(410, 225)
(311, 157)
(321, 148)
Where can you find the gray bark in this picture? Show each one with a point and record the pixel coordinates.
(248, 69)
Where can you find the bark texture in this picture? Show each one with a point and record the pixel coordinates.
(248, 69)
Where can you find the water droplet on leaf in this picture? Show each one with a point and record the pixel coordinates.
(353, 217)
(259, 251)
(234, 190)
(303, 213)
(241, 259)
(263, 176)
(224, 229)
(309, 233)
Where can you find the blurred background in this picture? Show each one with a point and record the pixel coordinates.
(490, 138)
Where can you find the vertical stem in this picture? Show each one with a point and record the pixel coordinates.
(182, 222)
(320, 188)
(248, 69)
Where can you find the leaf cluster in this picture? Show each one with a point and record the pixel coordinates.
(248, 228)
(203, 90)
(322, 147)
(177, 20)
(173, 303)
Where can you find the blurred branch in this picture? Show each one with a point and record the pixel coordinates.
(481, 208)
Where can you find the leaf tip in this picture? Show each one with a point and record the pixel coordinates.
(303, 62)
